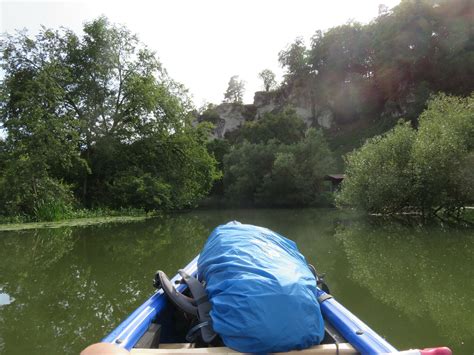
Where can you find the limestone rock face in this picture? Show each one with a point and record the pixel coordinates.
(326, 118)
(231, 116)
(338, 114)
(266, 102)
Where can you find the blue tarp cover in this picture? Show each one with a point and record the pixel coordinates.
(262, 292)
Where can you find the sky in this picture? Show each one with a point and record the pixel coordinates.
(202, 43)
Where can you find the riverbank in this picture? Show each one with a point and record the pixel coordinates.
(468, 214)
(76, 222)
(96, 217)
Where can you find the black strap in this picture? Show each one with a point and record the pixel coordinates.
(184, 303)
(201, 300)
(324, 297)
(191, 335)
(202, 303)
(319, 279)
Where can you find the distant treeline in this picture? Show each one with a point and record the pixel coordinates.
(429, 170)
(389, 66)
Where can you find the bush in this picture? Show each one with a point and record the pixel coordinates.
(141, 191)
(441, 153)
(428, 171)
(275, 174)
(379, 176)
(39, 198)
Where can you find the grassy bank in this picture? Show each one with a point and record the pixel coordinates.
(80, 217)
(70, 223)
(468, 214)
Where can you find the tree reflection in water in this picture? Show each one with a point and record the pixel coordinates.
(72, 286)
(425, 273)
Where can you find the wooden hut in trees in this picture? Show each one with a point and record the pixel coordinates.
(335, 181)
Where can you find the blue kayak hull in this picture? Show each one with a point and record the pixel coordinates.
(356, 332)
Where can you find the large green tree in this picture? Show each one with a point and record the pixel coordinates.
(276, 162)
(285, 127)
(75, 107)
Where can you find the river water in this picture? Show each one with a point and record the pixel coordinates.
(62, 289)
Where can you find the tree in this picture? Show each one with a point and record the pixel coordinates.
(277, 163)
(442, 155)
(245, 167)
(75, 108)
(268, 78)
(208, 113)
(388, 67)
(235, 91)
(218, 148)
(284, 127)
(296, 177)
(295, 60)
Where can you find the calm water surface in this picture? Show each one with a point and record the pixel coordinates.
(61, 289)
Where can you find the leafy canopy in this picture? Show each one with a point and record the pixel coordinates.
(277, 162)
(77, 109)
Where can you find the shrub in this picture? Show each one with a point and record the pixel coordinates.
(275, 174)
(428, 171)
(379, 176)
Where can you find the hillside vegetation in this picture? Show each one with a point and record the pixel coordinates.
(95, 122)
(369, 77)
(390, 66)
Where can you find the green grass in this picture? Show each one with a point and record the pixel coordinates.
(71, 222)
(79, 217)
(468, 214)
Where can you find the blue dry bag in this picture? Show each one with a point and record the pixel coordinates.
(263, 294)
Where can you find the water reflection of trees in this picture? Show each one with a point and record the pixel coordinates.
(418, 271)
(72, 286)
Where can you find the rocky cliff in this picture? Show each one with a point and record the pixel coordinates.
(228, 116)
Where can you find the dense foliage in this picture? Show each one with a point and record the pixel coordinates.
(95, 121)
(429, 170)
(284, 127)
(367, 77)
(389, 66)
(277, 162)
